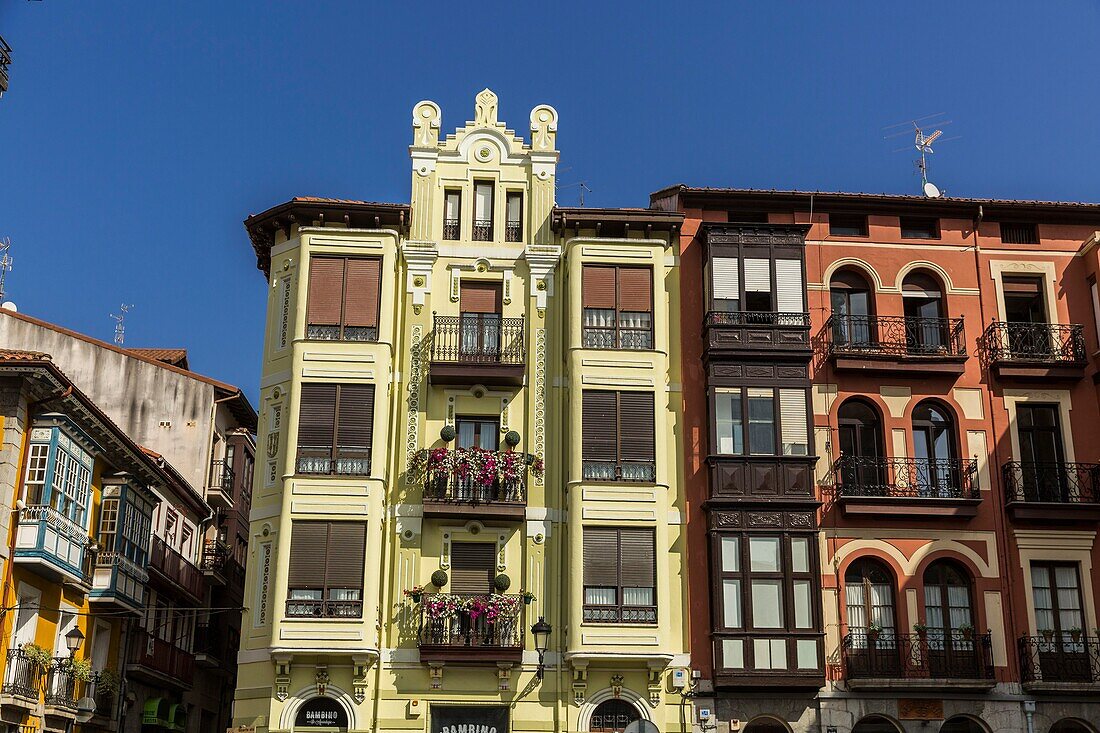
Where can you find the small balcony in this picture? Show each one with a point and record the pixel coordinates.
(896, 344)
(63, 690)
(478, 348)
(53, 546)
(1052, 491)
(322, 608)
(934, 660)
(1060, 663)
(451, 229)
(319, 461)
(160, 661)
(118, 580)
(1041, 351)
(483, 230)
(465, 483)
(457, 627)
(211, 640)
(746, 332)
(219, 488)
(169, 566)
(907, 487)
(513, 231)
(23, 680)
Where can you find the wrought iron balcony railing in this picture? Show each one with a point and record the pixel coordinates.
(478, 338)
(22, 675)
(319, 608)
(461, 478)
(756, 318)
(635, 339)
(319, 461)
(330, 332)
(483, 230)
(898, 336)
(1057, 483)
(906, 478)
(451, 228)
(63, 688)
(642, 471)
(214, 555)
(1060, 658)
(471, 620)
(513, 232)
(934, 655)
(625, 614)
(1045, 343)
(221, 476)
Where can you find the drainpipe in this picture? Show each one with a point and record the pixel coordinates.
(1029, 714)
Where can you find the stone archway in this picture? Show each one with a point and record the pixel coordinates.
(326, 708)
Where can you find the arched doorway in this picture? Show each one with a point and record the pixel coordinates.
(876, 724)
(871, 644)
(1068, 725)
(321, 714)
(925, 327)
(766, 725)
(963, 724)
(612, 716)
(862, 450)
(936, 468)
(949, 617)
(853, 310)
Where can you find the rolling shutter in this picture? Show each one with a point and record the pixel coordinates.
(326, 290)
(788, 285)
(792, 415)
(347, 542)
(308, 549)
(473, 566)
(598, 426)
(637, 558)
(635, 289)
(355, 427)
(758, 276)
(636, 441)
(316, 415)
(361, 300)
(601, 556)
(598, 287)
(726, 278)
(479, 297)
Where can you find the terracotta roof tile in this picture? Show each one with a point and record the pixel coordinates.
(175, 357)
(20, 355)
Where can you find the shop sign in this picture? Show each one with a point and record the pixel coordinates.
(469, 719)
(321, 712)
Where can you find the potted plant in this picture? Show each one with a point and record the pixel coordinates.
(528, 596)
(967, 631)
(39, 656)
(921, 629)
(1075, 633)
(1048, 634)
(107, 681)
(873, 632)
(415, 593)
(81, 669)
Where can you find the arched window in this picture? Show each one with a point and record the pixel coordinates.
(936, 468)
(963, 724)
(612, 716)
(766, 725)
(875, 724)
(862, 449)
(949, 618)
(853, 309)
(1070, 726)
(925, 327)
(869, 598)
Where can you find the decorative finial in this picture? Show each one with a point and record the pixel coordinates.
(485, 108)
(426, 118)
(544, 127)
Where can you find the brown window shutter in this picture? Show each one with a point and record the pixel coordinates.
(601, 556)
(316, 415)
(473, 567)
(308, 550)
(1023, 284)
(599, 427)
(479, 297)
(635, 289)
(347, 543)
(326, 290)
(355, 427)
(638, 558)
(636, 439)
(598, 287)
(361, 302)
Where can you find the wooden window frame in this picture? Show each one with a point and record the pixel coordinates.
(620, 609)
(642, 338)
(1018, 226)
(326, 607)
(777, 414)
(313, 330)
(913, 225)
(513, 230)
(620, 461)
(452, 228)
(863, 231)
(334, 455)
(487, 224)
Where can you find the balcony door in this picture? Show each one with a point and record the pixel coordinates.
(925, 327)
(853, 310)
(475, 432)
(1056, 593)
(480, 305)
(861, 449)
(949, 616)
(935, 455)
(1042, 457)
(872, 640)
(1026, 316)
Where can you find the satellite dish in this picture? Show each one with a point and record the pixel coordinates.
(931, 191)
(641, 726)
(85, 709)
(9, 306)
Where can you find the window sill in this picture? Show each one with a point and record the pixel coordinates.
(323, 619)
(619, 624)
(616, 482)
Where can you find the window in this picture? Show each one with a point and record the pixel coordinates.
(325, 577)
(613, 716)
(186, 537)
(480, 303)
(452, 221)
(335, 428)
(513, 219)
(926, 331)
(483, 211)
(862, 448)
(935, 454)
(847, 225)
(1044, 475)
(108, 524)
(869, 600)
(1019, 233)
(133, 543)
(620, 571)
(478, 432)
(35, 482)
(1056, 591)
(947, 605)
(747, 217)
(1094, 294)
(171, 522)
(473, 567)
(756, 407)
(762, 301)
(59, 474)
(617, 436)
(343, 298)
(853, 310)
(618, 307)
(919, 227)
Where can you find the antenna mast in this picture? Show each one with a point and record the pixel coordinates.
(120, 323)
(6, 263)
(923, 143)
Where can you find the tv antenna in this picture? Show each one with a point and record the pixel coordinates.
(923, 141)
(6, 263)
(582, 185)
(120, 323)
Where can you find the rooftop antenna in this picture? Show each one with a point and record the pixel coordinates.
(6, 262)
(923, 143)
(584, 187)
(120, 323)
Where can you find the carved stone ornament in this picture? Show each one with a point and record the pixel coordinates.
(426, 118)
(765, 519)
(322, 680)
(485, 108)
(544, 127)
(727, 519)
(616, 685)
(800, 520)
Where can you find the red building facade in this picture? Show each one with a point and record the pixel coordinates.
(949, 348)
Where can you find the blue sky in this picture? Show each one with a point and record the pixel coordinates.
(137, 136)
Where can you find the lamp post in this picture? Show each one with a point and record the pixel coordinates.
(73, 640)
(541, 631)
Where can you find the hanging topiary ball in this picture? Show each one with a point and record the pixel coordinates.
(439, 578)
(502, 582)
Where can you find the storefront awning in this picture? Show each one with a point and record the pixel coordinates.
(156, 711)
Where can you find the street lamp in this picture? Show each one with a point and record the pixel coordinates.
(73, 640)
(541, 631)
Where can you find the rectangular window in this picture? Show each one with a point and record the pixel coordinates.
(729, 429)
(344, 297)
(35, 481)
(1094, 293)
(758, 286)
(618, 307)
(473, 567)
(725, 273)
(59, 475)
(847, 225)
(108, 524)
(1056, 591)
(919, 227)
(794, 421)
(620, 575)
(452, 216)
(788, 286)
(513, 221)
(617, 436)
(1019, 233)
(483, 211)
(325, 577)
(478, 432)
(761, 403)
(335, 429)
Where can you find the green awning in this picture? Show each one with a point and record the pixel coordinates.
(177, 717)
(156, 712)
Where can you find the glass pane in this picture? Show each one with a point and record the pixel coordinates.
(803, 613)
(764, 554)
(767, 604)
(731, 603)
(728, 423)
(638, 597)
(733, 653)
(731, 554)
(769, 653)
(600, 596)
(807, 653)
(800, 554)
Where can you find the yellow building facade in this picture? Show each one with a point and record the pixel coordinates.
(468, 434)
